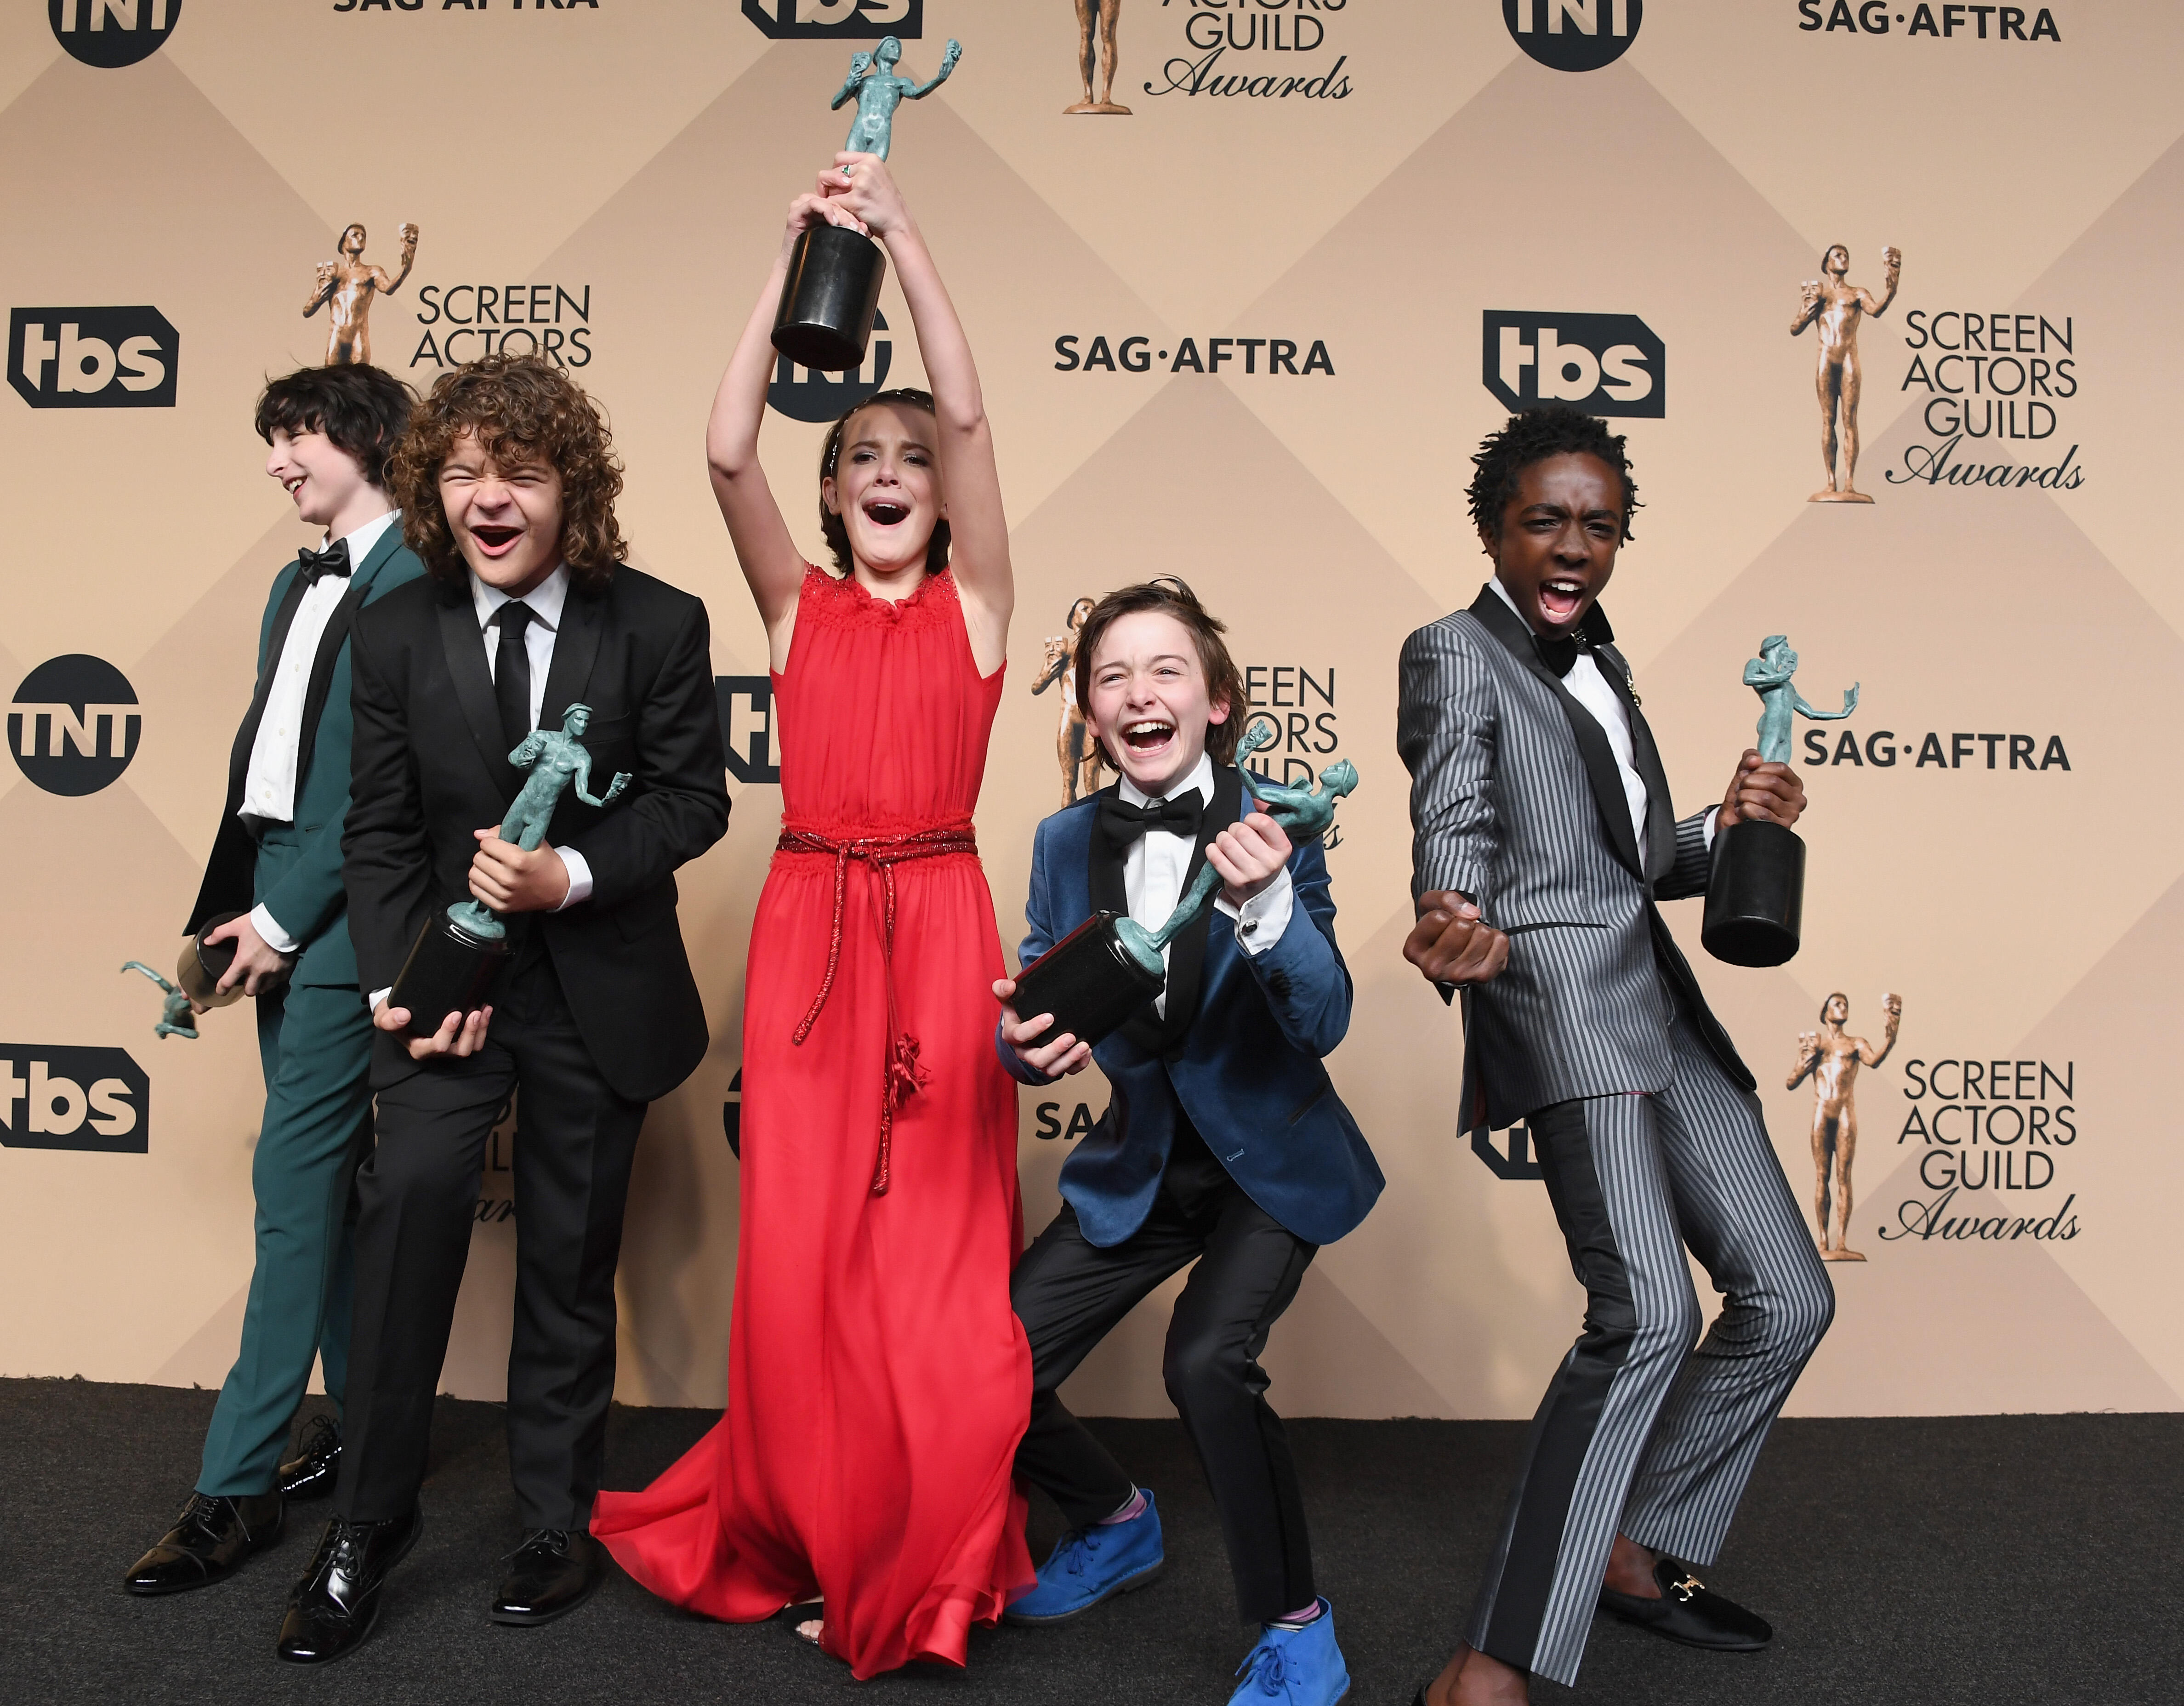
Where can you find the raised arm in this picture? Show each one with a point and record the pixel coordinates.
(1850, 704)
(970, 483)
(1809, 303)
(858, 67)
(947, 64)
(771, 564)
(1892, 271)
(1809, 1056)
(388, 285)
(1893, 1006)
(582, 775)
(322, 288)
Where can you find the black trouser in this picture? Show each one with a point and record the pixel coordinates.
(1069, 1294)
(575, 1141)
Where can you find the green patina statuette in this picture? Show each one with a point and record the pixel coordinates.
(177, 1019)
(877, 90)
(556, 760)
(1304, 814)
(1769, 676)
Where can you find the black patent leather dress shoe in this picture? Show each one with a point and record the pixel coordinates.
(553, 1572)
(208, 1543)
(316, 1466)
(336, 1603)
(1690, 1612)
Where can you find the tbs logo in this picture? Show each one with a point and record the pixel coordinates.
(745, 702)
(91, 358)
(110, 34)
(74, 724)
(65, 1098)
(862, 20)
(1606, 364)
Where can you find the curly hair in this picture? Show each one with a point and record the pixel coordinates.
(831, 527)
(1533, 436)
(519, 408)
(1224, 682)
(362, 409)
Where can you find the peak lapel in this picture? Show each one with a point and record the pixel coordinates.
(1506, 627)
(464, 644)
(1660, 814)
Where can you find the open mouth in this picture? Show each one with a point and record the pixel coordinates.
(885, 512)
(1148, 736)
(1560, 601)
(496, 541)
(294, 486)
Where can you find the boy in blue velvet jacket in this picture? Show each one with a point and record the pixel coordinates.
(1224, 1143)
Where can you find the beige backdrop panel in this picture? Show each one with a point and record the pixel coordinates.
(2026, 912)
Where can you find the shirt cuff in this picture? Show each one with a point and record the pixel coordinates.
(579, 878)
(1710, 816)
(1261, 920)
(372, 1000)
(278, 939)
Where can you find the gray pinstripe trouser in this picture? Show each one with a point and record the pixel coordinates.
(1639, 1431)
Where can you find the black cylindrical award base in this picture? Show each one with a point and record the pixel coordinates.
(827, 302)
(204, 964)
(1755, 903)
(447, 972)
(1088, 981)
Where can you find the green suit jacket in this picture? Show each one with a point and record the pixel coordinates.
(296, 873)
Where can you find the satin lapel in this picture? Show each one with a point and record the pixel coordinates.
(463, 642)
(268, 666)
(1504, 624)
(1646, 756)
(576, 647)
(1186, 958)
(1103, 865)
(331, 640)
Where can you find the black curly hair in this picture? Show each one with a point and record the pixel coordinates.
(1533, 435)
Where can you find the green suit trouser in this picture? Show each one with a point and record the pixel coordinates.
(315, 1044)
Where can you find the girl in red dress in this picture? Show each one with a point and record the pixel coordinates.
(878, 1380)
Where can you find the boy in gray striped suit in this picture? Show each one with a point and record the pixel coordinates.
(1538, 803)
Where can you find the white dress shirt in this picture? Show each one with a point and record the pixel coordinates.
(1154, 869)
(269, 783)
(1591, 690)
(546, 600)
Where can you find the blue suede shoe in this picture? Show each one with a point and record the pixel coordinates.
(1295, 1667)
(1091, 1564)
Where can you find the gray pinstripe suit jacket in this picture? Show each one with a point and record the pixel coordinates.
(1516, 801)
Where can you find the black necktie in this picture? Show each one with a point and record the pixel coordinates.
(316, 565)
(1121, 822)
(511, 672)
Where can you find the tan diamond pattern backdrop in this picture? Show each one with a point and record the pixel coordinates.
(634, 160)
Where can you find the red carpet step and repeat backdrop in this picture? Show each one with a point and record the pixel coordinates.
(1244, 325)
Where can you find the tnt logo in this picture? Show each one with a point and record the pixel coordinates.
(1519, 1160)
(746, 708)
(862, 20)
(817, 396)
(1606, 364)
(731, 1115)
(1572, 35)
(65, 1098)
(74, 724)
(91, 358)
(112, 33)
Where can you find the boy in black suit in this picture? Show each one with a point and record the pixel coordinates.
(508, 480)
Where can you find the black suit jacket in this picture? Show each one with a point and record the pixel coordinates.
(431, 768)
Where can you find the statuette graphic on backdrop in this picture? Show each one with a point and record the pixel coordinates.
(1755, 900)
(1835, 307)
(346, 285)
(1832, 1056)
(1096, 49)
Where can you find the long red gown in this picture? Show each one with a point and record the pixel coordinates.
(878, 1381)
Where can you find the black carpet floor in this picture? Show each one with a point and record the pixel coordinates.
(1987, 1559)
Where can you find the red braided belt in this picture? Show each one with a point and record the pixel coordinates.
(884, 853)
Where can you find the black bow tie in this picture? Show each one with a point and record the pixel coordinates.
(1121, 822)
(332, 560)
(1559, 656)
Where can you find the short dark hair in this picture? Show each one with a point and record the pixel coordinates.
(830, 526)
(1224, 682)
(1837, 996)
(526, 405)
(1533, 436)
(363, 409)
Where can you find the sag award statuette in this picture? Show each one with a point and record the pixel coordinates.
(1107, 967)
(455, 956)
(199, 970)
(1755, 898)
(833, 291)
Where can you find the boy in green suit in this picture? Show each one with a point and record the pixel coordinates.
(276, 868)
